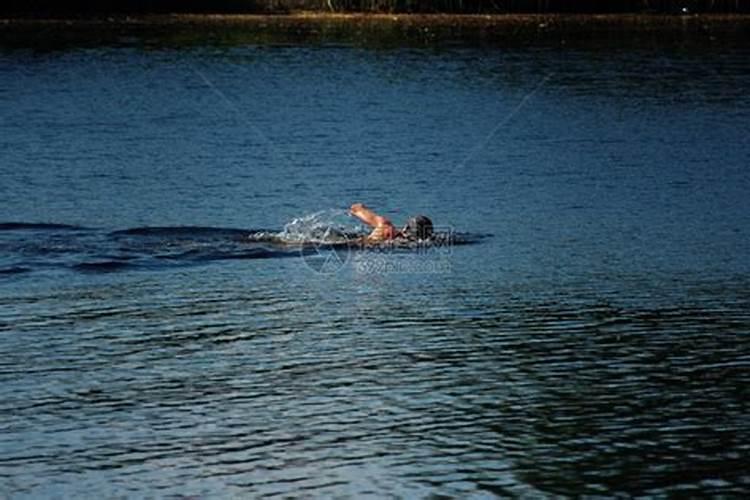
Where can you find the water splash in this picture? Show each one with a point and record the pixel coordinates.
(328, 226)
(335, 226)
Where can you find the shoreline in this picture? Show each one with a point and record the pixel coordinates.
(633, 19)
(385, 29)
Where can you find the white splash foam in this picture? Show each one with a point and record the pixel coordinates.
(325, 226)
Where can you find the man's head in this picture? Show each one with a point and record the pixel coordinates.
(419, 227)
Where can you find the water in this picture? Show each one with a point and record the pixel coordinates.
(592, 341)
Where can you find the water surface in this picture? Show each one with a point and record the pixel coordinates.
(594, 340)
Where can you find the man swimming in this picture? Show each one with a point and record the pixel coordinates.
(417, 227)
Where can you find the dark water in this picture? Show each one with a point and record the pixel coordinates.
(595, 340)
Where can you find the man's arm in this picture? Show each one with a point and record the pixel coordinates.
(367, 216)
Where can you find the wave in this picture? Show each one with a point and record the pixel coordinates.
(14, 270)
(213, 254)
(38, 246)
(186, 231)
(102, 267)
(34, 226)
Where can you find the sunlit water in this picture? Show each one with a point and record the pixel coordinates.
(593, 340)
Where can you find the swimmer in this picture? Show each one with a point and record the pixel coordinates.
(417, 227)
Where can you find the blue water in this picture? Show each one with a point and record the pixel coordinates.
(593, 340)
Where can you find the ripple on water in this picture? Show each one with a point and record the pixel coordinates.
(597, 345)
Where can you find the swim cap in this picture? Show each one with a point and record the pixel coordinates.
(419, 227)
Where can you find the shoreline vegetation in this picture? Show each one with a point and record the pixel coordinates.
(354, 17)
(374, 29)
(738, 23)
(56, 8)
(614, 31)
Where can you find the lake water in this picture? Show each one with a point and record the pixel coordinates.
(594, 339)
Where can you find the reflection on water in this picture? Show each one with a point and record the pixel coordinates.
(596, 344)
